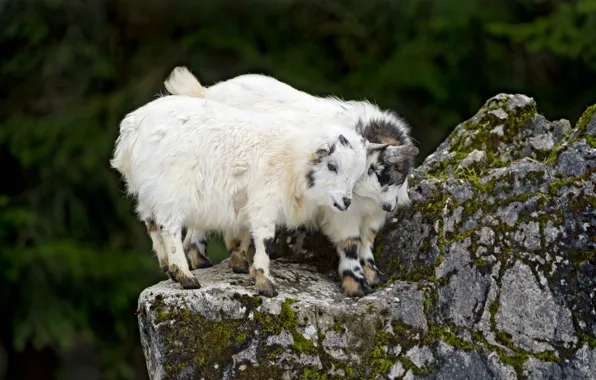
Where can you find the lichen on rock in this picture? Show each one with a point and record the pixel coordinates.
(492, 275)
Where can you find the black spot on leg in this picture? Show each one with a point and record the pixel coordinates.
(351, 251)
(349, 273)
(350, 247)
(268, 245)
(310, 178)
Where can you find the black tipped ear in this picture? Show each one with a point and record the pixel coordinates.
(374, 147)
(344, 141)
(400, 153)
(323, 151)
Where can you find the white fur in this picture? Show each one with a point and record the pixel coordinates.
(188, 160)
(277, 99)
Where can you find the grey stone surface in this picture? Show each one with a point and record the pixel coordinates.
(492, 268)
(530, 314)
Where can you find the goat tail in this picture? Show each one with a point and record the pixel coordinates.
(182, 82)
(124, 145)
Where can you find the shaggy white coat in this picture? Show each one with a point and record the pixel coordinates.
(267, 95)
(189, 162)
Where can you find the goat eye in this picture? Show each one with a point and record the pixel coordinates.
(332, 167)
(371, 170)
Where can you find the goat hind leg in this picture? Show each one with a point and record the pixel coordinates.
(195, 246)
(238, 248)
(178, 265)
(158, 246)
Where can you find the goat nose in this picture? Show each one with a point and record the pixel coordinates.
(387, 207)
(347, 202)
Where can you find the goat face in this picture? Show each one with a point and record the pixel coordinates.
(334, 169)
(388, 167)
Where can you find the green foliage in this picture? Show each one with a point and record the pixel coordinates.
(73, 257)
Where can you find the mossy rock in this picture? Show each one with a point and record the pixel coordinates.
(492, 275)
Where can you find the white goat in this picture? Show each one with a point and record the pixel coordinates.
(377, 192)
(210, 167)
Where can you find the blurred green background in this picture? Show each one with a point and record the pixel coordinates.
(73, 258)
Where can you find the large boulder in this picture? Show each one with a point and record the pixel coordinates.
(492, 275)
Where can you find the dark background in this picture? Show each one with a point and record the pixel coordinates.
(73, 259)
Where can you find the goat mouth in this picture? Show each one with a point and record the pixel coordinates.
(338, 206)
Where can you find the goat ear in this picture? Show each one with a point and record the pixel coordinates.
(395, 154)
(374, 147)
(323, 150)
(344, 141)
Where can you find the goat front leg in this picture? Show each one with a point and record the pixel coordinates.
(369, 230)
(263, 235)
(238, 247)
(195, 246)
(343, 229)
(178, 265)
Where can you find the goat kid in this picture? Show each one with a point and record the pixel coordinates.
(377, 192)
(203, 165)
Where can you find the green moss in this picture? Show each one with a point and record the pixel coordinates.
(276, 353)
(555, 186)
(493, 309)
(585, 119)
(260, 372)
(337, 325)
(471, 206)
(546, 356)
(536, 176)
(445, 334)
(313, 374)
(522, 197)
(379, 362)
(516, 361)
(480, 262)
(580, 255)
(591, 341)
(241, 338)
(482, 139)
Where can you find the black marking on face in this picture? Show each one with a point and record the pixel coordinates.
(310, 178)
(268, 245)
(344, 141)
(332, 149)
(371, 262)
(203, 242)
(321, 153)
(385, 131)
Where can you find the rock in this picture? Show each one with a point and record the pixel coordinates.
(492, 275)
(222, 331)
(530, 314)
